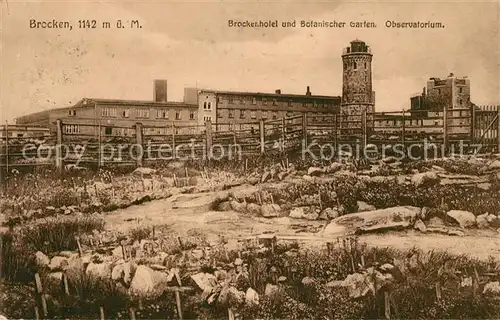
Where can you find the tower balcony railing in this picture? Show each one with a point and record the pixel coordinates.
(345, 50)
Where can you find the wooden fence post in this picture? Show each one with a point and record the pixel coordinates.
(262, 133)
(138, 142)
(59, 159)
(364, 129)
(6, 152)
(387, 305)
(498, 129)
(336, 132)
(445, 129)
(174, 155)
(283, 133)
(472, 124)
(99, 147)
(403, 133)
(304, 128)
(208, 136)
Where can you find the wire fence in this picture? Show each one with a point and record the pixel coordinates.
(71, 144)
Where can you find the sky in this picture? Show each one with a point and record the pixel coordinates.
(191, 45)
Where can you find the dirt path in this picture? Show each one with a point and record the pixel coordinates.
(184, 212)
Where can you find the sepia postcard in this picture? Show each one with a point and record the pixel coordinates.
(249, 159)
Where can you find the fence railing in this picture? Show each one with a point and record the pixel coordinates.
(138, 144)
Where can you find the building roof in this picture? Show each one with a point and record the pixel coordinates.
(145, 103)
(276, 95)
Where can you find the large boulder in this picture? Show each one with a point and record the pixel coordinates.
(270, 210)
(220, 216)
(425, 178)
(482, 222)
(383, 219)
(361, 284)
(147, 281)
(465, 219)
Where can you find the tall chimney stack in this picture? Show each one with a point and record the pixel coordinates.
(278, 91)
(160, 91)
(308, 92)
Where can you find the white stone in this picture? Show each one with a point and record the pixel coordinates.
(465, 219)
(41, 259)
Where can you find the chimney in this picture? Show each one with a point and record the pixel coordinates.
(278, 91)
(308, 92)
(160, 91)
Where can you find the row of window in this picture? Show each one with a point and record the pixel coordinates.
(143, 113)
(275, 102)
(264, 114)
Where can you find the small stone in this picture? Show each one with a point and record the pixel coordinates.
(420, 226)
(482, 222)
(251, 297)
(58, 263)
(41, 259)
(238, 262)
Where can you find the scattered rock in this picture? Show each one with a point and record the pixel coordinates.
(204, 281)
(238, 262)
(99, 270)
(271, 290)
(238, 206)
(425, 178)
(481, 221)
(266, 176)
(251, 297)
(230, 296)
(493, 221)
(465, 219)
(363, 206)
(282, 175)
(331, 213)
(455, 232)
(58, 263)
(315, 171)
(492, 287)
(146, 281)
(420, 226)
(220, 216)
(41, 259)
(307, 281)
(484, 186)
(224, 206)
(424, 213)
(270, 210)
(253, 208)
(384, 219)
(144, 171)
(124, 272)
(303, 213)
(494, 165)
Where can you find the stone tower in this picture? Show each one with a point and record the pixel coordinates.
(357, 94)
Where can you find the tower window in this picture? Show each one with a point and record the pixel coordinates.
(460, 90)
(365, 65)
(355, 65)
(345, 65)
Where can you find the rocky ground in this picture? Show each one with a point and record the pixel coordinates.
(172, 228)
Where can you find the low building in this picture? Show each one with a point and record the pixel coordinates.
(230, 110)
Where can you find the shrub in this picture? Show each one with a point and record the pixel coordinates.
(53, 235)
